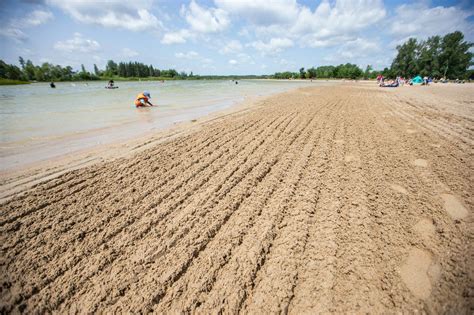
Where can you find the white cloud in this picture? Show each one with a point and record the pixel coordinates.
(330, 23)
(13, 33)
(38, 17)
(232, 46)
(194, 58)
(344, 15)
(262, 12)
(360, 51)
(420, 20)
(77, 44)
(204, 20)
(358, 48)
(275, 45)
(187, 55)
(131, 15)
(15, 28)
(178, 37)
(201, 21)
(232, 62)
(34, 18)
(129, 53)
(244, 58)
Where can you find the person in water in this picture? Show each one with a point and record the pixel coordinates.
(142, 100)
(111, 83)
(52, 85)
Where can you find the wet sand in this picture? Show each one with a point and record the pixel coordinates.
(349, 198)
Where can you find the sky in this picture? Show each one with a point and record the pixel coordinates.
(223, 36)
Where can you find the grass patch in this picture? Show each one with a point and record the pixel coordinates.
(12, 82)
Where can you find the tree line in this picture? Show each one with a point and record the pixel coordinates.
(437, 57)
(50, 72)
(349, 71)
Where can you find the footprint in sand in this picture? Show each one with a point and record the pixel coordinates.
(454, 207)
(424, 228)
(415, 273)
(399, 189)
(351, 158)
(420, 163)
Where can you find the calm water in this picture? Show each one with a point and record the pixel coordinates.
(38, 122)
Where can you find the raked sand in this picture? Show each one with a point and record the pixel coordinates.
(349, 198)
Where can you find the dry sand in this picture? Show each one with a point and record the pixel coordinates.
(325, 199)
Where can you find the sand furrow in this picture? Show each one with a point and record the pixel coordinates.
(231, 203)
(75, 215)
(123, 172)
(75, 257)
(63, 184)
(313, 289)
(236, 280)
(220, 251)
(148, 222)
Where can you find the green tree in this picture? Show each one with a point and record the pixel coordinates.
(405, 63)
(311, 73)
(96, 70)
(22, 62)
(302, 73)
(367, 72)
(30, 70)
(111, 68)
(428, 62)
(455, 57)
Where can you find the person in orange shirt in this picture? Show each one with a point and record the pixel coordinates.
(142, 100)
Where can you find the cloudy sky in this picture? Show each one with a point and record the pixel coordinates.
(223, 36)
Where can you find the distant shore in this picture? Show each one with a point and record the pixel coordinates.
(13, 82)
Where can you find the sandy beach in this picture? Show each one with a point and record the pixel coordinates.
(344, 199)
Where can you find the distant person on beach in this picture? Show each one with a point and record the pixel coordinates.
(142, 100)
(52, 85)
(379, 79)
(392, 83)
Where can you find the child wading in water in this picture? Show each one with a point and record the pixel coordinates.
(142, 100)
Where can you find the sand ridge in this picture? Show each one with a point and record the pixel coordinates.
(310, 202)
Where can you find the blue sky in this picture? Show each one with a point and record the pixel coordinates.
(222, 36)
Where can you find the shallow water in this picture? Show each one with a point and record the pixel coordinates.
(38, 122)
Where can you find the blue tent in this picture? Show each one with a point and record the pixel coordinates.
(417, 80)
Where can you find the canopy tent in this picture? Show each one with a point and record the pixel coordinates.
(417, 80)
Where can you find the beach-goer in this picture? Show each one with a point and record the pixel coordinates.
(142, 100)
(52, 85)
(111, 83)
(392, 83)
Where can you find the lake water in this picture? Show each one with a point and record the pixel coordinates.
(38, 122)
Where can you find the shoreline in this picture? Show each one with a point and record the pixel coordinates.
(21, 178)
(33, 138)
